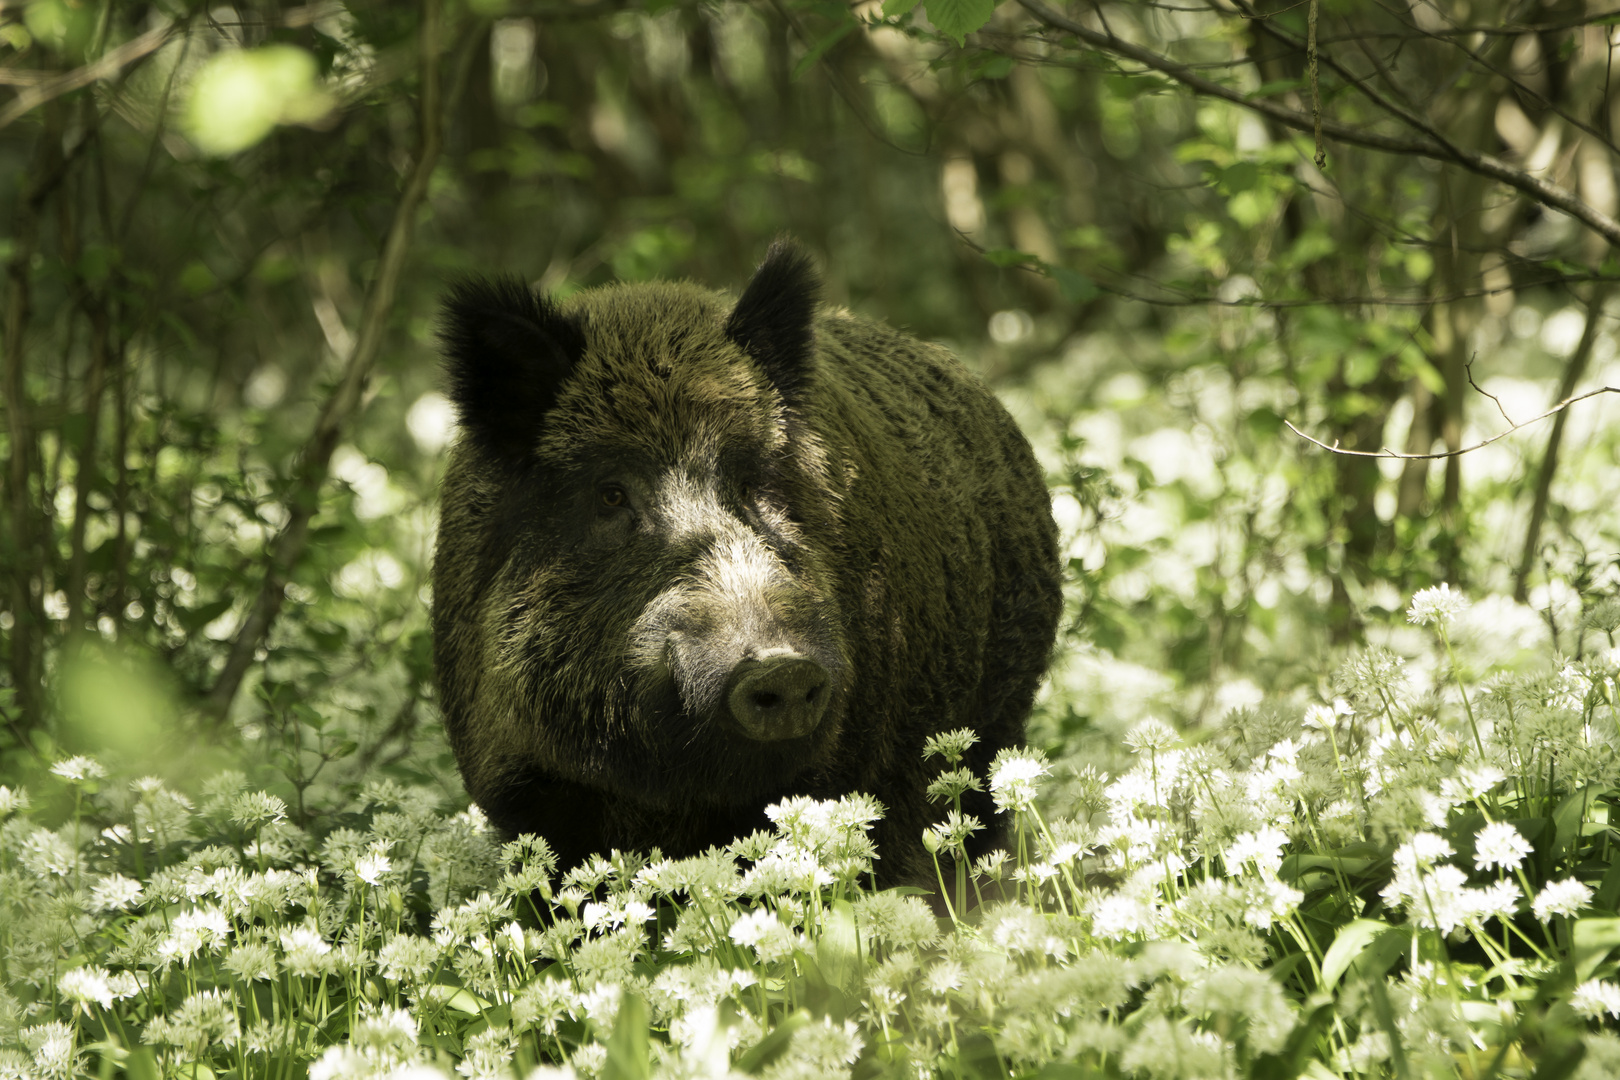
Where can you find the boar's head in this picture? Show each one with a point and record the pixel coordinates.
(635, 587)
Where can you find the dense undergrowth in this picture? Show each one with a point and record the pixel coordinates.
(1415, 875)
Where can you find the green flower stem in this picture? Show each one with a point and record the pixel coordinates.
(1445, 639)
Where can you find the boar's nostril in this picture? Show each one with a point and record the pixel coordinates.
(778, 698)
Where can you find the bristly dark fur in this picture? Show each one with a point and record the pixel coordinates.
(773, 319)
(698, 482)
(506, 352)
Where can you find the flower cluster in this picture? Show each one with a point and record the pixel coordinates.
(1377, 880)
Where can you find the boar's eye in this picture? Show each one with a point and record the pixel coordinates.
(613, 497)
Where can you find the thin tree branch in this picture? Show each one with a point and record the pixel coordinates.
(840, 84)
(1397, 455)
(1468, 370)
(107, 65)
(1407, 116)
(1573, 372)
(1431, 147)
(314, 463)
(25, 549)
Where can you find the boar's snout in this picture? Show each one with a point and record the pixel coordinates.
(780, 697)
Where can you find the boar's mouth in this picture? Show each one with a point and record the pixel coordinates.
(726, 734)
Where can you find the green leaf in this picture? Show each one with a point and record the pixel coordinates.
(97, 262)
(1005, 257)
(1594, 940)
(838, 952)
(628, 1052)
(1570, 814)
(957, 19)
(1347, 945)
(458, 998)
(1264, 422)
(993, 67)
(1294, 865)
(1242, 176)
(1378, 997)
(1560, 1063)
(1608, 891)
(193, 619)
(1075, 287)
(821, 996)
(240, 95)
(1296, 1055)
(893, 9)
(197, 278)
(1273, 88)
(1361, 367)
(773, 1045)
(1062, 1070)
(819, 49)
(58, 25)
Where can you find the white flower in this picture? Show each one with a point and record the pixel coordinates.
(255, 809)
(252, 960)
(1499, 900)
(52, 1047)
(1595, 997)
(488, 1054)
(762, 931)
(1150, 736)
(755, 926)
(339, 1062)
(306, 951)
(191, 931)
(1499, 844)
(113, 892)
(1321, 718)
(408, 958)
(80, 768)
(1263, 849)
(12, 801)
(1286, 750)
(1561, 898)
(1471, 782)
(1424, 849)
(1268, 900)
(1436, 605)
(1013, 777)
(87, 984)
(617, 912)
(371, 867)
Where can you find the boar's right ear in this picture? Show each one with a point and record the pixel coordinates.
(506, 354)
(774, 319)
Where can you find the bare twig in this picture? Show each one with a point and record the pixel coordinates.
(1268, 26)
(1431, 146)
(840, 84)
(1468, 369)
(314, 462)
(1397, 455)
(1316, 89)
(104, 67)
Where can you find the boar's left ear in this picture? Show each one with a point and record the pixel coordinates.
(506, 354)
(772, 320)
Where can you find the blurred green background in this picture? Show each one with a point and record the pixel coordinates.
(227, 229)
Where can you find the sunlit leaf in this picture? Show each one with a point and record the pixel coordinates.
(240, 95)
(958, 18)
